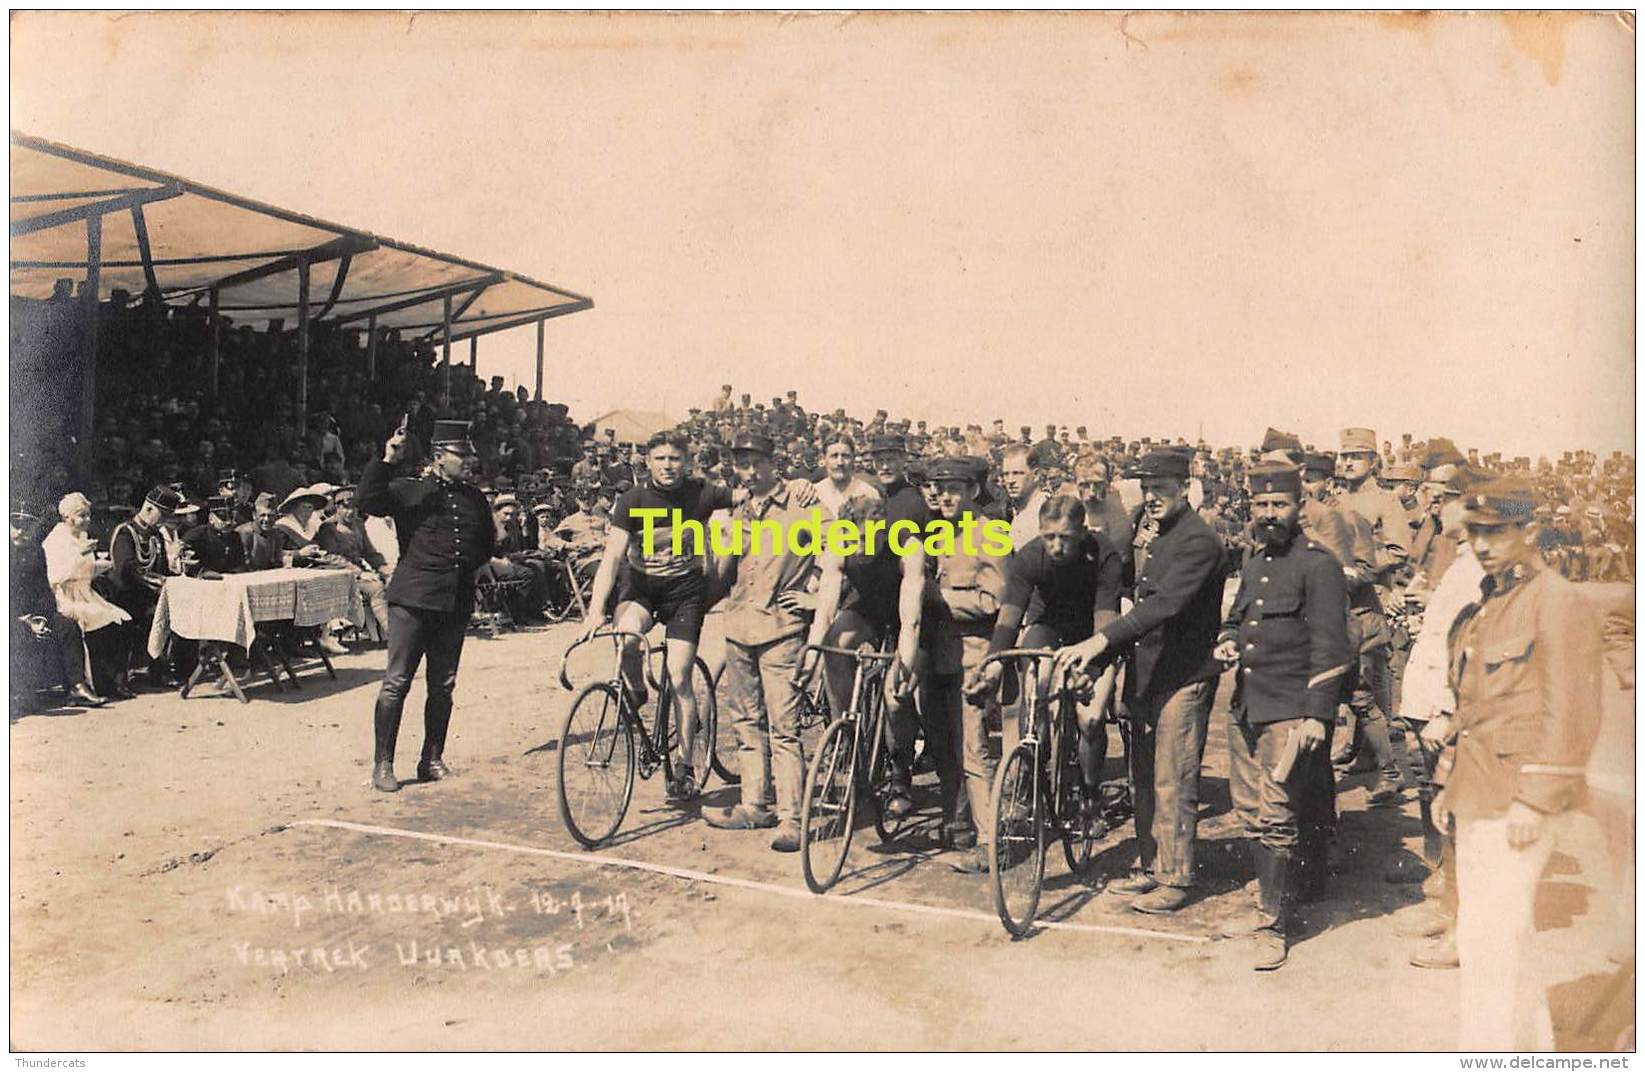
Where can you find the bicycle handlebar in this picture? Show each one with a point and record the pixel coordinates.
(861, 654)
(1020, 653)
(618, 635)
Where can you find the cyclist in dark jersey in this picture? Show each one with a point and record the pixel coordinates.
(867, 599)
(1078, 576)
(660, 586)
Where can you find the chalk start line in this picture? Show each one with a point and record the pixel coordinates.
(798, 893)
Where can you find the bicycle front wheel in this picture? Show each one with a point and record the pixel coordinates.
(1017, 868)
(829, 806)
(596, 760)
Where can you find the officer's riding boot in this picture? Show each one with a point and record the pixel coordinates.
(1249, 920)
(1273, 907)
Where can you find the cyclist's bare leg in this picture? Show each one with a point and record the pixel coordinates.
(682, 657)
(633, 618)
(850, 630)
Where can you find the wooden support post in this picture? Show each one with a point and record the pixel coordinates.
(90, 313)
(539, 360)
(302, 347)
(371, 350)
(474, 355)
(216, 339)
(445, 353)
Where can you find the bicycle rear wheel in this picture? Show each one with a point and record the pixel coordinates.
(829, 806)
(1017, 868)
(1079, 837)
(596, 765)
(725, 742)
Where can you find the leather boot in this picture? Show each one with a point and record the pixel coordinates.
(1273, 907)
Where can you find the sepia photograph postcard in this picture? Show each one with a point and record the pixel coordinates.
(815, 531)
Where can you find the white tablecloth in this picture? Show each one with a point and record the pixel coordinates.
(228, 609)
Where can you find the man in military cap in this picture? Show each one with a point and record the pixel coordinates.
(1357, 462)
(445, 532)
(1368, 693)
(139, 569)
(1526, 662)
(1287, 632)
(1171, 680)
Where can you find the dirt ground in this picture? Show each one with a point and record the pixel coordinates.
(174, 885)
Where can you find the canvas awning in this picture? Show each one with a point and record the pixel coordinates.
(110, 225)
(164, 232)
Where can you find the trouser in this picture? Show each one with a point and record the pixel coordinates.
(1502, 1000)
(412, 634)
(1368, 711)
(1399, 653)
(1167, 747)
(959, 749)
(372, 592)
(527, 603)
(1275, 814)
(765, 713)
(68, 652)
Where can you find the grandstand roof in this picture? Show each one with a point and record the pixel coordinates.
(166, 232)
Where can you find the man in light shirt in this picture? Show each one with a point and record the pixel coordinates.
(842, 484)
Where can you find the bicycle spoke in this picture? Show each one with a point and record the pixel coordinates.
(1018, 865)
(829, 805)
(596, 765)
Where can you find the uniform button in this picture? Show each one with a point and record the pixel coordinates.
(1259, 602)
(1253, 621)
(1247, 670)
(1265, 580)
(1248, 647)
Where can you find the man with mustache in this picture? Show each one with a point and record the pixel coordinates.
(1288, 632)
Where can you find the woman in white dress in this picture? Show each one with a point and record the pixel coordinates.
(71, 563)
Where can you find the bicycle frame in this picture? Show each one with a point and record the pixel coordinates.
(1049, 731)
(866, 686)
(653, 741)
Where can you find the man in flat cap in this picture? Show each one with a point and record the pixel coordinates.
(1526, 662)
(765, 634)
(1287, 632)
(445, 532)
(1171, 679)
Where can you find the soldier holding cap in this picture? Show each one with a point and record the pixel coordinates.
(1288, 632)
(1526, 662)
(1171, 680)
(445, 533)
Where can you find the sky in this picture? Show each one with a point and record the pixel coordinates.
(1153, 225)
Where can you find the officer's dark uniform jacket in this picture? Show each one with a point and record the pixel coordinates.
(445, 532)
(1526, 662)
(135, 552)
(1291, 624)
(1178, 610)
